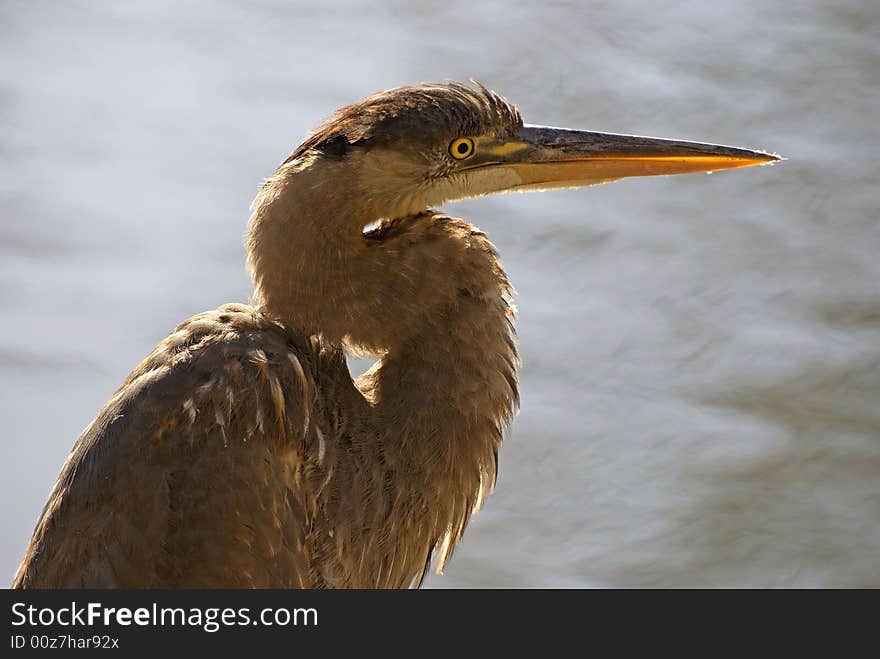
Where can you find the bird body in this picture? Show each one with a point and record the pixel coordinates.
(241, 452)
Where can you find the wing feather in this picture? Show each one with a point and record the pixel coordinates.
(191, 474)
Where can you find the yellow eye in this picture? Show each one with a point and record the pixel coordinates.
(461, 147)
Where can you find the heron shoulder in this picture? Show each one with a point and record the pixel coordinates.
(226, 391)
(232, 372)
(220, 380)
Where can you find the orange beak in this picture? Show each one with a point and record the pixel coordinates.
(541, 158)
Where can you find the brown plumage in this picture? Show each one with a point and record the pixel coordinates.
(241, 453)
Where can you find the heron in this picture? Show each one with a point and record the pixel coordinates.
(242, 453)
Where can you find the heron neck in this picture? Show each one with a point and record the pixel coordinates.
(446, 395)
(426, 293)
(442, 397)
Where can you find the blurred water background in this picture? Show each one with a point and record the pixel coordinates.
(701, 378)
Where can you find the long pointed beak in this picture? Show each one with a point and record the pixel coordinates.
(541, 157)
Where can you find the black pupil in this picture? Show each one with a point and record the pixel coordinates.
(463, 148)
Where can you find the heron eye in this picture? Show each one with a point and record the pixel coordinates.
(461, 148)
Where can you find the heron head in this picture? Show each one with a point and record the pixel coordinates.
(412, 147)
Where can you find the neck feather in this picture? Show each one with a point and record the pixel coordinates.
(425, 292)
